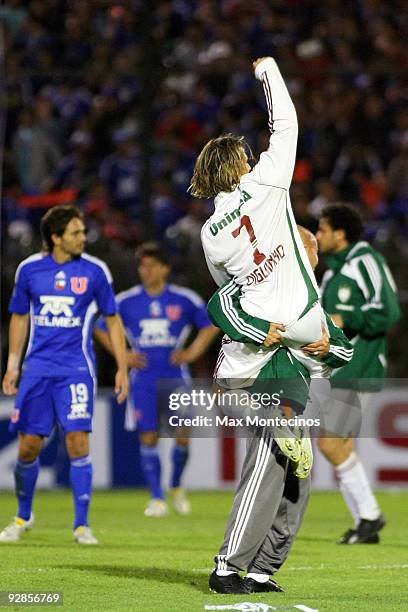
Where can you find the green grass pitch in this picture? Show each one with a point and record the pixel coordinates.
(163, 564)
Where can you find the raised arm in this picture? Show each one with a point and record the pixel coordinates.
(275, 166)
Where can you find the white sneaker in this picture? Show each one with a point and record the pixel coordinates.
(156, 508)
(180, 502)
(84, 535)
(13, 531)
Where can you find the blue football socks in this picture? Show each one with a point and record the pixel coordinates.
(81, 483)
(150, 461)
(179, 458)
(25, 475)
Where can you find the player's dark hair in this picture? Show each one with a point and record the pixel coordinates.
(219, 166)
(347, 218)
(55, 221)
(152, 249)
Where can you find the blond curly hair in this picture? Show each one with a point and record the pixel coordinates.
(219, 166)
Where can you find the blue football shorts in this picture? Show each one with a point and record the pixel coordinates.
(148, 402)
(42, 402)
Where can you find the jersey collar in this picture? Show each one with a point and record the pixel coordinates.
(65, 263)
(158, 296)
(335, 262)
(222, 197)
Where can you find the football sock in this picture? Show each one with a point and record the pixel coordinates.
(80, 473)
(179, 458)
(151, 466)
(350, 502)
(353, 478)
(25, 477)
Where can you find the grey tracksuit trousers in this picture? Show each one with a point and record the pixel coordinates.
(267, 512)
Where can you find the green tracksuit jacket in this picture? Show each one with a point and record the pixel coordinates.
(225, 311)
(359, 286)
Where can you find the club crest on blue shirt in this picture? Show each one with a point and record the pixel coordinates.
(155, 309)
(60, 281)
(173, 312)
(79, 284)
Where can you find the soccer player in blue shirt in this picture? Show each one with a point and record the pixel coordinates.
(57, 293)
(158, 317)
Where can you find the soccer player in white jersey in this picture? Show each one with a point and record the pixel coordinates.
(252, 236)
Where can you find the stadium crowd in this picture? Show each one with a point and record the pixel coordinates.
(81, 78)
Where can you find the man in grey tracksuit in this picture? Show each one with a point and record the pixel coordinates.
(270, 501)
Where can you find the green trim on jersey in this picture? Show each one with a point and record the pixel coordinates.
(341, 349)
(235, 322)
(311, 291)
(226, 312)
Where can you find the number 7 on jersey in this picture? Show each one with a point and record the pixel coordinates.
(246, 223)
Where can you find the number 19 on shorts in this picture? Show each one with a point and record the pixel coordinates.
(79, 402)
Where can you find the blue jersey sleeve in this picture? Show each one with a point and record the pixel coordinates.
(100, 323)
(20, 300)
(105, 297)
(198, 313)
